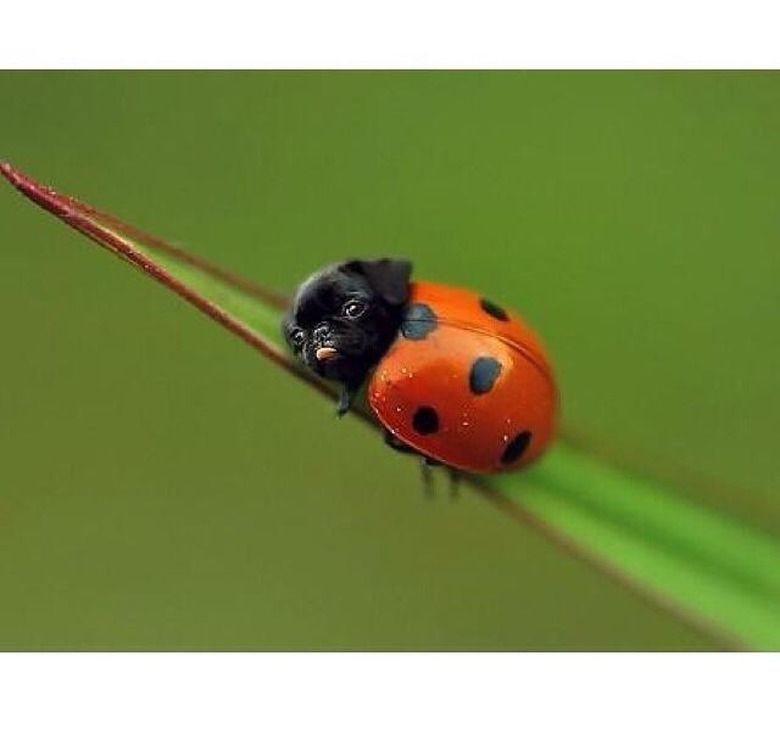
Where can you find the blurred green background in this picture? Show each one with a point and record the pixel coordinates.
(161, 487)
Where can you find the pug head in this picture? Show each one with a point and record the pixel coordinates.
(345, 316)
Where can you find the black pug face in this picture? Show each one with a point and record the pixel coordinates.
(344, 317)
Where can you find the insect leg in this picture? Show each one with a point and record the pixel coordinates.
(346, 398)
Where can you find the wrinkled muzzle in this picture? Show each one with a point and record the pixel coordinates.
(339, 353)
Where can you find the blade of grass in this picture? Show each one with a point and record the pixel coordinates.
(695, 561)
(716, 573)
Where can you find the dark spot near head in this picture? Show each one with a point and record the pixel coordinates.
(419, 320)
(484, 371)
(493, 309)
(425, 420)
(516, 447)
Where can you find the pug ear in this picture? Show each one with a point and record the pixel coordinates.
(388, 278)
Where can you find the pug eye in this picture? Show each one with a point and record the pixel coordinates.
(297, 337)
(354, 308)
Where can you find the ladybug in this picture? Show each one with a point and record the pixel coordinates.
(450, 375)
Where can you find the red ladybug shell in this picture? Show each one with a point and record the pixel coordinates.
(465, 382)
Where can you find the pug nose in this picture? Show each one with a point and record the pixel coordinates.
(321, 332)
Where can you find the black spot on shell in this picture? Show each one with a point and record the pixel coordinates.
(425, 420)
(516, 447)
(419, 321)
(483, 373)
(493, 309)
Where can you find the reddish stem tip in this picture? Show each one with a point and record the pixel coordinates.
(42, 195)
(7, 170)
(16, 177)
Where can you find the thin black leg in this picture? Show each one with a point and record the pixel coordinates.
(426, 473)
(346, 398)
(426, 466)
(455, 476)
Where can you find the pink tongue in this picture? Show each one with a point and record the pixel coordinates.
(324, 353)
